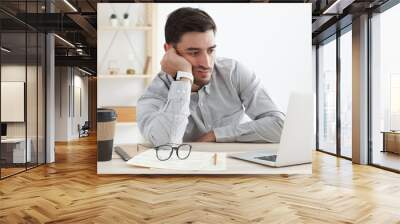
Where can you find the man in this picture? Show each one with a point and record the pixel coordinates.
(198, 97)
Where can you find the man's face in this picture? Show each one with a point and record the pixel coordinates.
(199, 49)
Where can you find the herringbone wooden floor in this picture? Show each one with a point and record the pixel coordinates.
(70, 191)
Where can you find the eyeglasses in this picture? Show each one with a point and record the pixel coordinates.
(164, 152)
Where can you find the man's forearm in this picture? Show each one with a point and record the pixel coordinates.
(168, 124)
(207, 137)
(266, 129)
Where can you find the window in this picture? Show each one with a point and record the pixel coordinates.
(327, 97)
(385, 89)
(346, 94)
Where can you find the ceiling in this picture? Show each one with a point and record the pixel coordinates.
(76, 23)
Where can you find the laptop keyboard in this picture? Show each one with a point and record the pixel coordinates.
(271, 158)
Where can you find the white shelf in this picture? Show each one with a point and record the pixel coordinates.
(123, 28)
(124, 76)
(127, 124)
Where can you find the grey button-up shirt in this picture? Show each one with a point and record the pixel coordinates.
(168, 112)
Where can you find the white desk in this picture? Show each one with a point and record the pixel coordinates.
(19, 149)
(233, 166)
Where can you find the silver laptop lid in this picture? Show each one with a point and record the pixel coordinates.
(297, 139)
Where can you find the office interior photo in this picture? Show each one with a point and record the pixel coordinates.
(56, 56)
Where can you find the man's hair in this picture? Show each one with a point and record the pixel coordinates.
(185, 20)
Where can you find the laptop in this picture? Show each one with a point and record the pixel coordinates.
(297, 138)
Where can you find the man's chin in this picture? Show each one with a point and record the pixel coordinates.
(203, 75)
(201, 82)
(202, 78)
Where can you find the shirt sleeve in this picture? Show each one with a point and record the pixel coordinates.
(267, 119)
(162, 114)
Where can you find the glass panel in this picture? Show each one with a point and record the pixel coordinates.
(386, 89)
(327, 97)
(13, 87)
(32, 88)
(395, 102)
(346, 94)
(41, 98)
(41, 89)
(22, 63)
(31, 100)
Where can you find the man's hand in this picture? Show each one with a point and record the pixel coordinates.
(172, 62)
(208, 137)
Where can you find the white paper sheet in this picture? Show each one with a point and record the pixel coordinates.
(195, 161)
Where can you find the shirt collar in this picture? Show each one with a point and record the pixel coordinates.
(207, 88)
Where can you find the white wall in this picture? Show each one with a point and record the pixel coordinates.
(33, 126)
(119, 48)
(119, 92)
(84, 85)
(15, 72)
(314, 82)
(274, 40)
(61, 104)
(66, 122)
(79, 117)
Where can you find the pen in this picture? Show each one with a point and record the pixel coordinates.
(215, 159)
